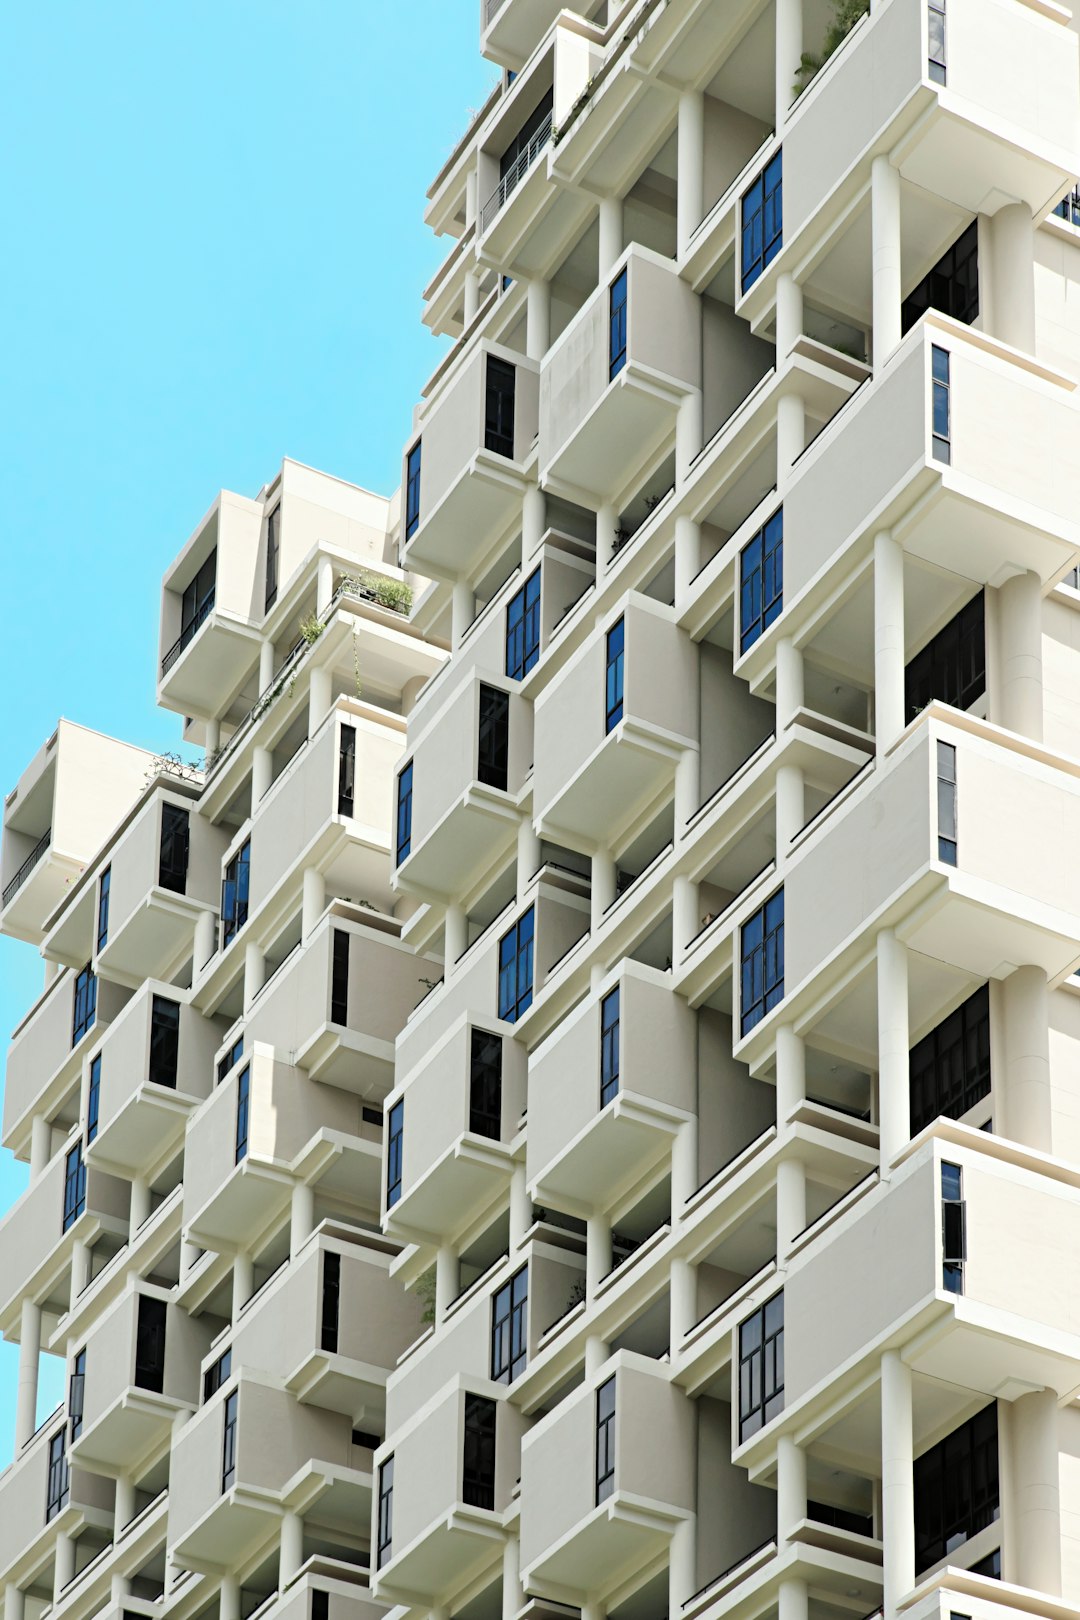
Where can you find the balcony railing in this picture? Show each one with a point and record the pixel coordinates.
(491, 10)
(11, 889)
(515, 173)
(190, 630)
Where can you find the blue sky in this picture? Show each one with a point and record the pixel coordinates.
(214, 254)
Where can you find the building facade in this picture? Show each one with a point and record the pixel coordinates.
(736, 701)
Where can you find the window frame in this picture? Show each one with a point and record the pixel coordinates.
(58, 1476)
(340, 952)
(609, 1045)
(499, 406)
(964, 1466)
(478, 1452)
(74, 1204)
(493, 737)
(485, 1084)
(761, 1366)
(958, 1046)
(166, 1028)
(384, 1524)
(395, 1152)
(346, 802)
(273, 546)
(330, 1302)
(83, 1004)
(235, 893)
(413, 462)
(104, 888)
(229, 1424)
(605, 1452)
(761, 221)
(614, 675)
(403, 818)
(516, 967)
(618, 322)
(242, 1137)
(941, 402)
(761, 580)
(174, 847)
(523, 628)
(761, 958)
(510, 1328)
(77, 1393)
(93, 1098)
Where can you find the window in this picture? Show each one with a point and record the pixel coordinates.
(617, 326)
(761, 580)
(395, 1143)
(412, 491)
(613, 680)
(605, 1440)
(404, 813)
(1069, 207)
(93, 1099)
(761, 1367)
(339, 979)
(164, 1042)
(234, 892)
(509, 1328)
(516, 968)
(104, 885)
(218, 1374)
(485, 1084)
(953, 1228)
(523, 628)
(74, 1186)
(499, 407)
(952, 286)
(228, 1441)
(385, 1533)
(478, 1463)
(952, 667)
(331, 1302)
(936, 31)
(493, 738)
(84, 1004)
(320, 1604)
(346, 770)
(946, 803)
(762, 984)
(197, 602)
(77, 1394)
(609, 1046)
(230, 1058)
(150, 1344)
(950, 1067)
(173, 858)
(243, 1112)
(956, 1488)
(273, 536)
(942, 410)
(56, 1489)
(762, 221)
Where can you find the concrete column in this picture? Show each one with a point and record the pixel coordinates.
(790, 689)
(790, 1486)
(266, 664)
(894, 1082)
(597, 1352)
(533, 522)
(14, 1602)
(683, 1300)
(462, 610)
(1024, 1076)
(320, 692)
(689, 433)
(472, 296)
(470, 198)
(789, 49)
(262, 772)
(603, 885)
(123, 1505)
(684, 1165)
(40, 1145)
(597, 1252)
(189, 1254)
(538, 319)
(607, 520)
(611, 233)
(1020, 651)
(1012, 272)
(687, 788)
(229, 1598)
(254, 973)
(790, 1073)
(790, 1205)
(313, 901)
(897, 1484)
(139, 1207)
(520, 1208)
(682, 1565)
(301, 1217)
(213, 737)
(794, 1601)
(1034, 1520)
(687, 556)
(690, 200)
(243, 1284)
(790, 807)
(789, 316)
(64, 1565)
(685, 916)
(291, 1550)
(888, 641)
(119, 1588)
(205, 938)
(455, 937)
(885, 249)
(513, 1598)
(790, 435)
(80, 1269)
(324, 585)
(528, 855)
(29, 1359)
(447, 1280)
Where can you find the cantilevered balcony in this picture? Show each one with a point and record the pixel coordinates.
(28, 1489)
(510, 30)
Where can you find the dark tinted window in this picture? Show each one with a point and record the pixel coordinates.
(493, 740)
(952, 667)
(950, 1067)
(956, 1488)
(952, 286)
(164, 1041)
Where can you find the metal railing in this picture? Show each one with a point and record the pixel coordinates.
(515, 173)
(12, 888)
(190, 630)
(491, 11)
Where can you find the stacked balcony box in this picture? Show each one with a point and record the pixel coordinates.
(26, 1538)
(344, 1588)
(510, 30)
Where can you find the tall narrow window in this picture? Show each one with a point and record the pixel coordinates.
(403, 842)
(84, 1004)
(523, 628)
(196, 605)
(385, 1532)
(952, 667)
(485, 1084)
(509, 1328)
(243, 1112)
(609, 1046)
(956, 1488)
(617, 325)
(273, 540)
(942, 403)
(217, 1374)
(952, 286)
(395, 1144)
(516, 968)
(150, 1344)
(346, 771)
(104, 885)
(762, 221)
(74, 1186)
(605, 1440)
(950, 1067)
(761, 1367)
(234, 892)
(936, 31)
(412, 491)
(228, 1440)
(499, 407)
(493, 738)
(478, 1462)
(57, 1482)
(761, 580)
(230, 1058)
(164, 1042)
(331, 1302)
(762, 980)
(953, 1228)
(946, 803)
(77, 1394)
(613, 678)
(175, 838)
(339, 979)
(93, 1099)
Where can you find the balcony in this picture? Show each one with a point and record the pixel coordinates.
(510, 30)
(585, 1151)
(590, 782)
(570, 1542)
(610, 393)
(25, 1537)
(472, 475)
(348, 1596)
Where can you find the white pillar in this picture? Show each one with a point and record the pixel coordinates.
(790, 1074)
(455, 938)
(684, 1165)
(790, 807)
(470, 198)
(229, 1598)
(597, 1252)
(462, 609)
(262, 772)
(139, 1206)
(320, 691)
(691, 167)
(266, 665)
(1033, 1524)
(80, 1269)
(447, 1280)
(512, 1596)
(313, 901)
(685, 916)
(472, 297)
(205, 938)
(689, 433)
(1024, 1076)
(538, 319)
(789, 316)
(790, 686)
(301, 1217)
(123, 1504)
(64, 1565)
(291, 1550)
(682, 1280)
(254, 973)
(682, 1565)
(520, 1208)
(790, 1486)
(888, 641)
(533, 522)
(789, 49)
(213, 737)
(794, 1600)
(1020, 646)
(611, 233)
(324, 585)
(29, 1359)
(897, 1483)
(687, 556)
(790, 435)
(528, 855)
(40, 1145)
(687, 789)
(189, 1254)
(894, 1045)
(603, 886)
(119, 1588)
(14, 1602)
(597, 1352)
(1012, 271)
(790, 1205)
(243, 1284)
(885, 239)
(607, 520)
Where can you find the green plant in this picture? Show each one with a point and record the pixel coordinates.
(425, 1292)
(846, 13)
(356, 667)
(394, 594)
(311, 628)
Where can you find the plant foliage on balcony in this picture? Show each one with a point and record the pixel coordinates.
(846, 13)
